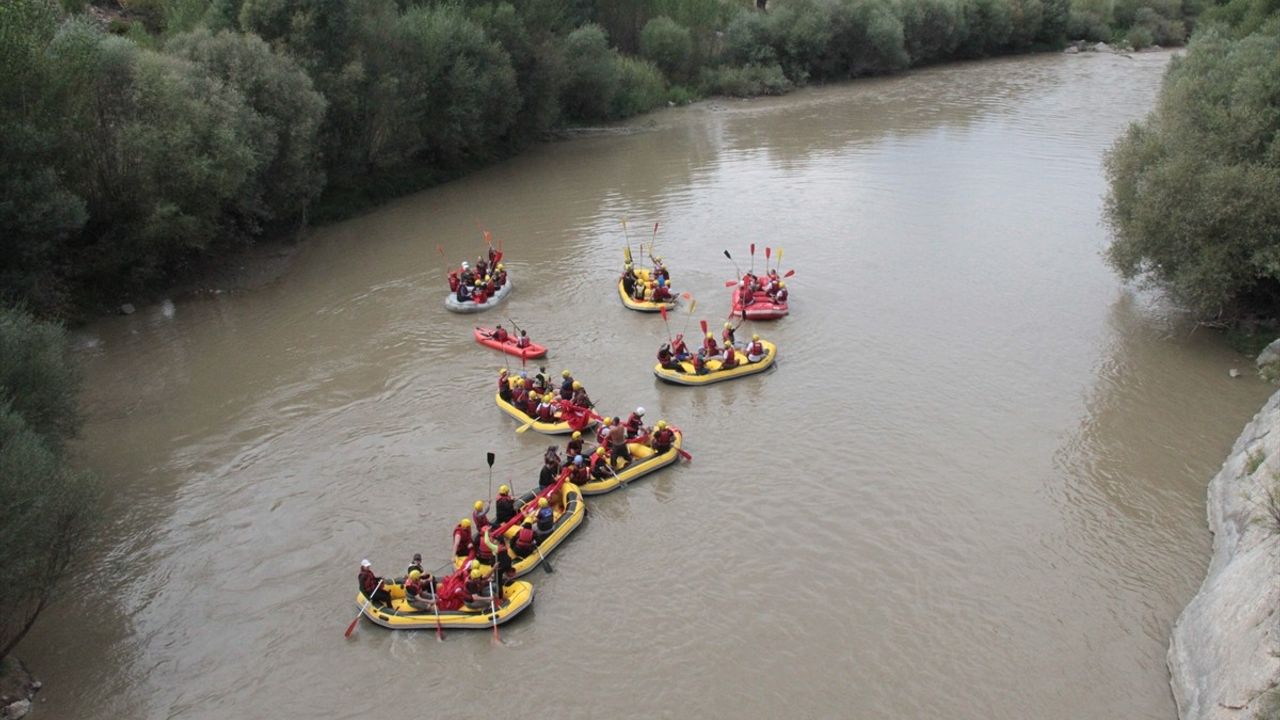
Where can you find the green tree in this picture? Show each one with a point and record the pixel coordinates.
(289, 112)
(45, 507)
(593, 75)
(1195, 188)
(668, 45)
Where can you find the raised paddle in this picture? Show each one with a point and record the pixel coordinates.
(663, 312)
(651, 242)
(789, 273)
(435, 605)
(703, 323)
(627, 235)
(369, 601)
(731, 283)
(753, 258)
(767, 251)
(489, 458)
(735, 264)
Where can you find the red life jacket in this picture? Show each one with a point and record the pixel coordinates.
(524, 539)
(634, 423)
(663, 438)
(479, 520)
(368, 581)
(726, 335)
(730, 357)
(461, 540)
(483, 554)
(523, 341)
(710, 345)
(454, 282)
(546, 413)
(757, 348)
(781, 297)
(501, 335)
(503, 384)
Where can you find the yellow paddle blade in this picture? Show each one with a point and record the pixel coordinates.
(525, 426)
(626, 252)
(779, 257)
(693, 305)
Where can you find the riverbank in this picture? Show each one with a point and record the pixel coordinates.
(1224, 654)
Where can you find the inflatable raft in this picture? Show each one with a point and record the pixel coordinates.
(643, 461)
(562, 426)
(567, 520)
(641, 305)
(762, 307)
(484, 336)
(715, 374)
(400, 615)
(451, 301)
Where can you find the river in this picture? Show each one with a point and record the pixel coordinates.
(974, 487)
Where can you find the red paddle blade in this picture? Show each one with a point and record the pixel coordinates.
(704, 326)
(767, 252)
(730, 283)
(655, 228)
(663, 311)
(790, 273)
(753, 249)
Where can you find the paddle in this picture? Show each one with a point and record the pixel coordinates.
(652, 240)
(493, 606)
(489, 458)
(753, 258)
(692, 306)
(731, 283)
(767, 251)
(735, 264)
(543, 559)
(663, 312)
(369, 601)
(627, 235)
(789, 273)
(435, 605)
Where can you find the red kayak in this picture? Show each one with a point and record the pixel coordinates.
(484, 336)
(762, 307)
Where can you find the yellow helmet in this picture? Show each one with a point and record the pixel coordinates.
(542, 502)
(564, 373)
(710, 336)
(662, 424)
(755, 337)
(608, 421)
(658, 259)
(782, 283)
(479, 505)
(520, 382)
(414, 574)
(465, 523)
(577, 434)
(577, 385)
(728, 325)
(503, 489)
(476, 573)
(501, 267)
(599, 451)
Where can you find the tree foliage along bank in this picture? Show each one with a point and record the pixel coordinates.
(1194, 201)
(182, 127)
(45, 507)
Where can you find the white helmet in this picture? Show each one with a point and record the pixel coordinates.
(640, 411)
(465, 265)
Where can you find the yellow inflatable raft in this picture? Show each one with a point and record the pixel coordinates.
(566, 521)
(642, 305)
(560, 427)
(715, 374)
(643, 462)
(517, 597)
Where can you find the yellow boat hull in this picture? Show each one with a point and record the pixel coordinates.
(642, 305)
(517, 597)
(566, 521)
(715, 374)
(643, 462)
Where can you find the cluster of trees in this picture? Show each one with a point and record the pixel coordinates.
(186, 126)
(45, 506)
(1194, 199)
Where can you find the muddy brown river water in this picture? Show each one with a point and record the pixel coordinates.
(973, 488)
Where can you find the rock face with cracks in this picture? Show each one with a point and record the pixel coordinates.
(1224, 655)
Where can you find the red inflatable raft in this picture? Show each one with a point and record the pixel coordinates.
(484, 336)
(762, 307)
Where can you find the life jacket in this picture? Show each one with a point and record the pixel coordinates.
(664, 355)
(573, 447)
(479, 296)
(484, 554)
(368, 581)
(412, 588)
(523, 341)
(502, 278)
(461, 541)
(501, 335)
(479, 520)
(566, 389)
(710, 345)
(504, 509)
(504, 387)
(524, 539)
(662, 439)
(757, 348)
(634, 423)
(680, 348)
(730, 357)
(546, 412)
(546, 519)
(781, 297)
(726, 336)
(518, 396)
(453, 282)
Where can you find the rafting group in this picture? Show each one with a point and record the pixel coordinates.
(492, 550)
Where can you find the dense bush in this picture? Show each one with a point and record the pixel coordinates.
(668, 45)
(1195, 188)
(745, 80)
(641, 87)
(45, 507)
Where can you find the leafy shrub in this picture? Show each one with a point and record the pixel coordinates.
(641, 87)
(593, 75)
(669, 46)
(745, 81)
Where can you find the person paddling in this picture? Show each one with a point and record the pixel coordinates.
(500, 334)
(372, 585)
(662, 438)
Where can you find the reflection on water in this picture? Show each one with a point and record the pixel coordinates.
(972, 489)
